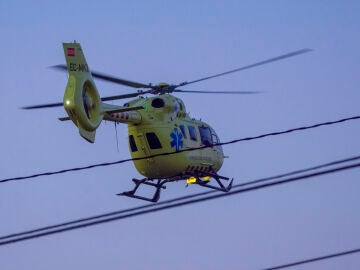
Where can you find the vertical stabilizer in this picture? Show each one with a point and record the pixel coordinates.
(81, 99)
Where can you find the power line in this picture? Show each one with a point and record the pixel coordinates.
(105, 164)
(261, 180)
(62, 227)
(321, 258)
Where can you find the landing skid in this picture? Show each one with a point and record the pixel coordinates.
(146, 181)
(159, 184)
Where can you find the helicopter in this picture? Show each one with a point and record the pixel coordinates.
(165, 143)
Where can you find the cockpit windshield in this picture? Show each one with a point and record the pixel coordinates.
(215, 140)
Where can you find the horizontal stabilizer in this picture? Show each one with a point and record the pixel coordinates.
(64, 118)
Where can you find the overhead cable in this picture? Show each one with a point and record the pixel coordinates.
(315, 259)
(105, 164)
(157, 207)
(257, 181)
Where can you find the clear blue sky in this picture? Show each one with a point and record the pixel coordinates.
(174, 41)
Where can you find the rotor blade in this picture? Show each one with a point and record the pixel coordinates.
(42, 106)
(281, 57)
(108, 78)
(217, 92)
(50, 105)
(124, 96)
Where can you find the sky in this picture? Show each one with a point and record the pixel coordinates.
(176, 41)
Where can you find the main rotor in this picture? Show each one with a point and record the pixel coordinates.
(165, 88)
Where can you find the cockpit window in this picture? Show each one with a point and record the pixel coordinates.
(205, 135)
(182, 128)
(216, 140)
(153, 140)
(192, 133)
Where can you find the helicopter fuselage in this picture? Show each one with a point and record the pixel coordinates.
(163, 126)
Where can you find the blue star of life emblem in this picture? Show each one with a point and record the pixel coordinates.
(176, 139)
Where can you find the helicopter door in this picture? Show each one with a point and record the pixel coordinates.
(144, 145)
(150, 142)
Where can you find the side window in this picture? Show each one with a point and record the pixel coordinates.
(192, 133)
(153, 140)
(205, 135)
(182, 128)
(132, 144)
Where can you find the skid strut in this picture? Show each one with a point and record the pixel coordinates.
(218, 179)
(146, 181)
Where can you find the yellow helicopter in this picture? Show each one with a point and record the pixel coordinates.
(156, 125)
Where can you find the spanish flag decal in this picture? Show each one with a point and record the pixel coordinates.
(71, 52)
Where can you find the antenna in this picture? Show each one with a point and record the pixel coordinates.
(116, 135)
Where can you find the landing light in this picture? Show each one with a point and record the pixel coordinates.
(191, 180)
(67, 102)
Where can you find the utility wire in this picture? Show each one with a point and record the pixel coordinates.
(180, 151)
(156, 208)
(261, 180)
(326, 257)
